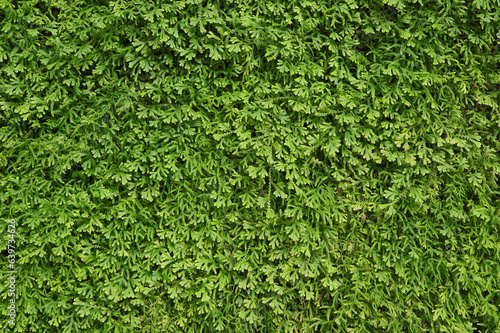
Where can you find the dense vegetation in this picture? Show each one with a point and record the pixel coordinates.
(251, 166)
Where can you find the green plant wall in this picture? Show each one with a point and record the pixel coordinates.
(251, 166)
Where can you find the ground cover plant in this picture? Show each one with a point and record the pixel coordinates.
(250, 166)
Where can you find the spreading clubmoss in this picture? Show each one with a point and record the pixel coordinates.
(251, 166)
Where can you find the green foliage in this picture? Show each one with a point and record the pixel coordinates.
(251, 166)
